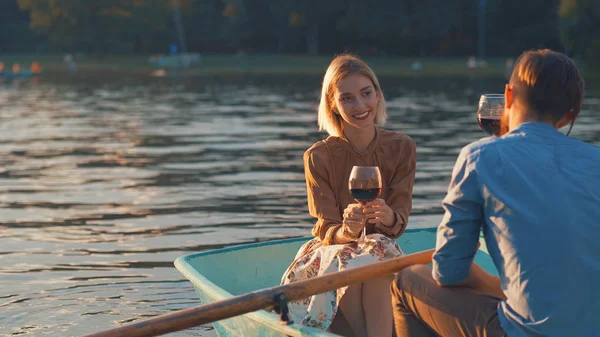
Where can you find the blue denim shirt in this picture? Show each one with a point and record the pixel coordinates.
(535, 194)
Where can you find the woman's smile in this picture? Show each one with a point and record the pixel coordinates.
(363, 115)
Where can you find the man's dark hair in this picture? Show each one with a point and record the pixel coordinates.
(549, 83)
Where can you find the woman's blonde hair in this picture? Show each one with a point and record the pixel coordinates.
(340, 67)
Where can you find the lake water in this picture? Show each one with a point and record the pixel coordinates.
(105, 182)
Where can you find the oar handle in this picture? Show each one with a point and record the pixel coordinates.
(256, 300)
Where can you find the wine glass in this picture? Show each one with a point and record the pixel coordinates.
(491, 107)
(365, 186)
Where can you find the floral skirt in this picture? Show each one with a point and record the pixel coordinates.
(314, 259)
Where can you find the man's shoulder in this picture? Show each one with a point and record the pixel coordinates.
(585, 155)
(587, 147)
(477, 147)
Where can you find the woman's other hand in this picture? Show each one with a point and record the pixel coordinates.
(354, 219)
(377, 212)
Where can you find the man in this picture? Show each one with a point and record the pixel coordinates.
(535, 194)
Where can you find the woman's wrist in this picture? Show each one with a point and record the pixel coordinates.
(331, 235)
(344, 236)
(393, 222)
(346, 233)
(385, 229)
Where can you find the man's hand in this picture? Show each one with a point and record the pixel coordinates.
(481, 281)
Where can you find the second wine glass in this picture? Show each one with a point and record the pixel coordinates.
(365, 185)
(491, 107)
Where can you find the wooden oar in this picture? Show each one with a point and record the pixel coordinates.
(260, 299)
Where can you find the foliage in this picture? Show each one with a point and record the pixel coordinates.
(15, 34)
(399, 27)
(579, 24)
(99, 25)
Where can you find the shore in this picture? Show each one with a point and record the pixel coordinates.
(262, 64)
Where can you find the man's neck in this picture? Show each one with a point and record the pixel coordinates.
(518, 118)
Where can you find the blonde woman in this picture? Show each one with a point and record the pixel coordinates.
(351, 109)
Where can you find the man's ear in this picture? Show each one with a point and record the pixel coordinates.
(509, 96)
(567, 119)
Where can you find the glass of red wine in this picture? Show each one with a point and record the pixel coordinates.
(491, 107)
(365, 186)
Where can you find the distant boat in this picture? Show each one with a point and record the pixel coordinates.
(25, 73)
(183, 60)
(16, 70)
(223, 273)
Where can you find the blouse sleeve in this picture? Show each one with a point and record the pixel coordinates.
(322, 203)
(401, 188)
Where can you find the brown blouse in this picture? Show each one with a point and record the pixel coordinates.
(327, 166)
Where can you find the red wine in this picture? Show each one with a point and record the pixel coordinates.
(490, 124)
(365, 195)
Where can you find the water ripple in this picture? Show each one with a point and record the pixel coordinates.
(103, 184)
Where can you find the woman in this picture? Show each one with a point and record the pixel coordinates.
(351, 109)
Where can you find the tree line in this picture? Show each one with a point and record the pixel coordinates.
(387, 27)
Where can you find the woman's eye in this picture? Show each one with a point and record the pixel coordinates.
(344, 99)
(367, 93)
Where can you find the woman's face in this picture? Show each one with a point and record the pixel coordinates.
(356, 101)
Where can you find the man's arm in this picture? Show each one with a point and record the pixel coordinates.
(458, 233)
(481, 281)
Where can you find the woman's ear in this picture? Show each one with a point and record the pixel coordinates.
(332, 107)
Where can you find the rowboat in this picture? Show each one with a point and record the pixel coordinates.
(24, 73)
(224, 273)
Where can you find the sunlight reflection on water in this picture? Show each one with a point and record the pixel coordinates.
(104, 184)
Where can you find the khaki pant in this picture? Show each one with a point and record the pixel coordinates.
(424, 309)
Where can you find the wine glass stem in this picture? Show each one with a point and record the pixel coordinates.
(364, 231)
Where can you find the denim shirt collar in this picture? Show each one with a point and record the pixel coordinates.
(537, 129)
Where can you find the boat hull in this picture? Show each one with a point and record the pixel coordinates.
(20, 74)
(224, 273)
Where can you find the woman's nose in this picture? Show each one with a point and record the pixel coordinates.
(359, 103)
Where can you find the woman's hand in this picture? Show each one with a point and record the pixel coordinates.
(354, 219)
(378, 212)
